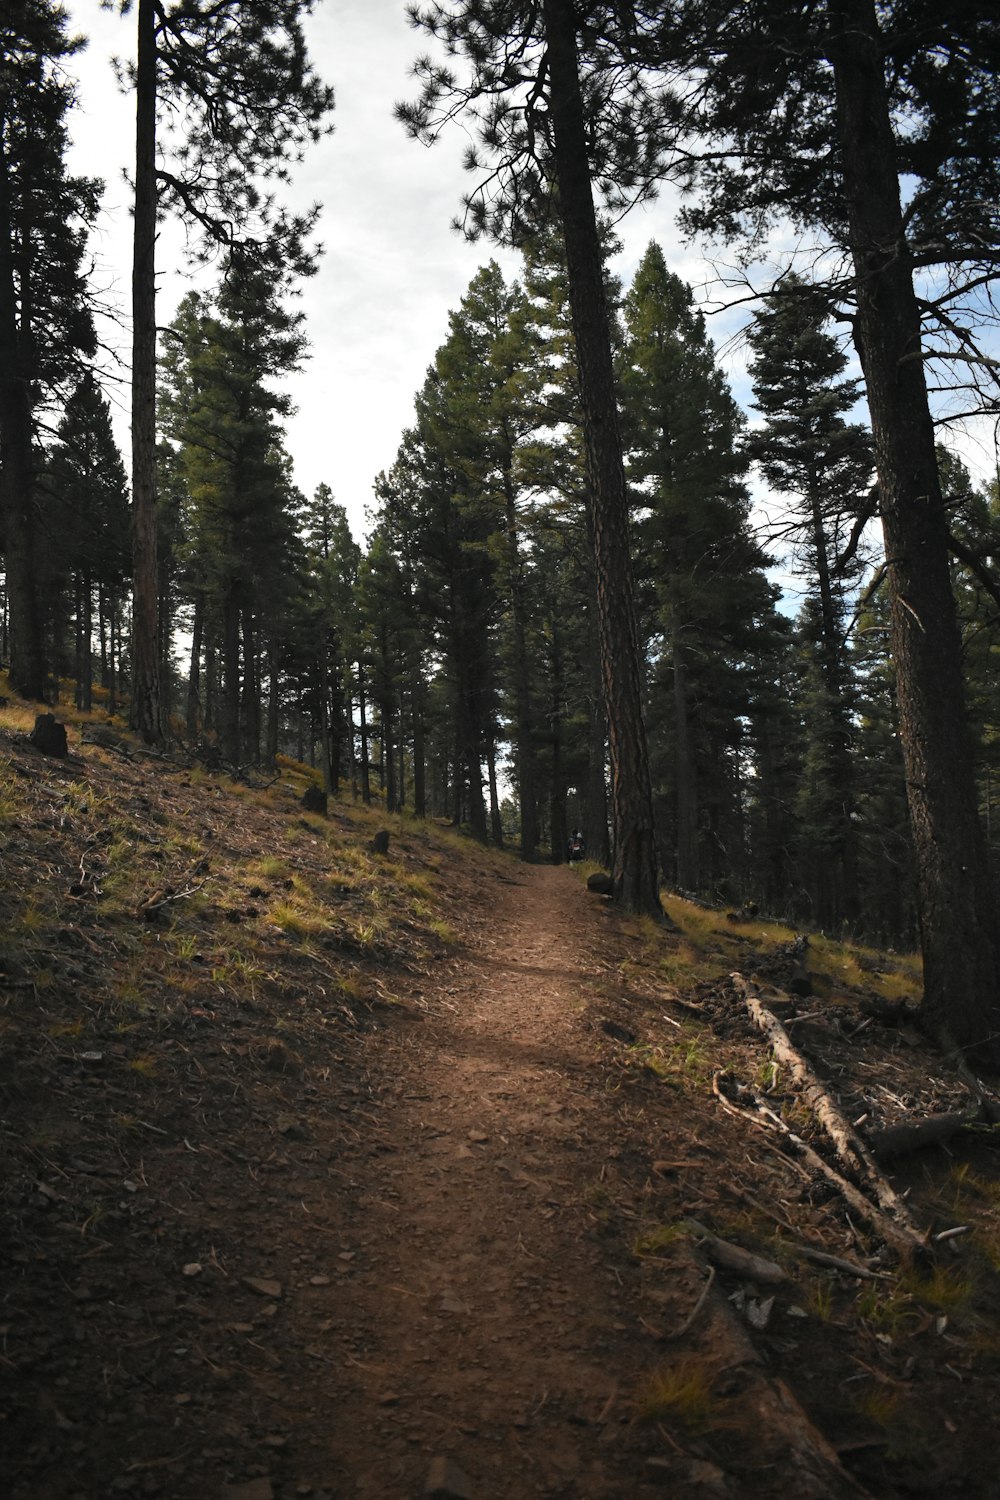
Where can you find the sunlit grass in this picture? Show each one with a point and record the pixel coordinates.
(297, 922)
(679, 1393)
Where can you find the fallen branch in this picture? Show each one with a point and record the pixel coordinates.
(913, 1135)
(735, 1258)
(679, 1333)
(839, 1263)
(148, 907)
(906, 1241)
(847, 1143)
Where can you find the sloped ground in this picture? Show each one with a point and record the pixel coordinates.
(331, 1174)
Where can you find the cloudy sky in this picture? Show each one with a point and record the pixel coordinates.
(392, 268)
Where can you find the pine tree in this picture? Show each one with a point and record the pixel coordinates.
(85, 503)
(223, 414)
(238, 76)
(331, 614)
(45, 322)
(702, 569)
(823, 110)
(821, 466)
(556, 114)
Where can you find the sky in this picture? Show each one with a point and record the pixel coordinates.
(392, 267)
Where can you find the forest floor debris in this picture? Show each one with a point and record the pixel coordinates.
(332, 1174)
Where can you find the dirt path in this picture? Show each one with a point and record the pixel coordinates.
(487, 1315)
(314, 1209)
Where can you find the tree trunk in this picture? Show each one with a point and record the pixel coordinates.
(366, 785)
(634, 869)
(496, 822)
(595, 825)
(957, 909)
(194, 671)
(419, 768)
(85, 679)
(250, 692)
(525, 745)
(27, 647)
(688, 873)
(146, 715)
(273, 705)
(558, 827)
(326, 756)
(229, 727)
(211, 686)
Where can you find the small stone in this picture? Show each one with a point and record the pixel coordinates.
(478, 1136)
(253, 1489)
(319, 1281)
(263, 1286)
(758, 1314)
(446, 1480)
(452, 1304)
(193, 1268)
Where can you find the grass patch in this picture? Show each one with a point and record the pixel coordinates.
(679, 1394)
(296, 922)
(657, 1239)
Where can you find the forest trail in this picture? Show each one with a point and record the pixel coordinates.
(488, 1312)
(333, 1174)
(496, 1331)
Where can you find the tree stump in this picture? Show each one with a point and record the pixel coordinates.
(49, 736)
(314, 799)
(380, 843)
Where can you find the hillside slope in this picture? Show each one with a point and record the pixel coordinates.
(335, 1173)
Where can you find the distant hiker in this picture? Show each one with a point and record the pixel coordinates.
(576, 846)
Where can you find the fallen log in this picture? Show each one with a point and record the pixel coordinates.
(847, 1143)
(913, 1135)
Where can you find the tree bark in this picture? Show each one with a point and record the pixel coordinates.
(956, 904)
(194, 671)
(27, 650)
(146, 716)
(526, 789)
(634, 868)
(419, 769)
(366, 785)
(496, 822)
(688, 873)
(595, 826)
(229, 715)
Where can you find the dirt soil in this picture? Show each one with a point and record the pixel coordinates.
(447, 1241)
